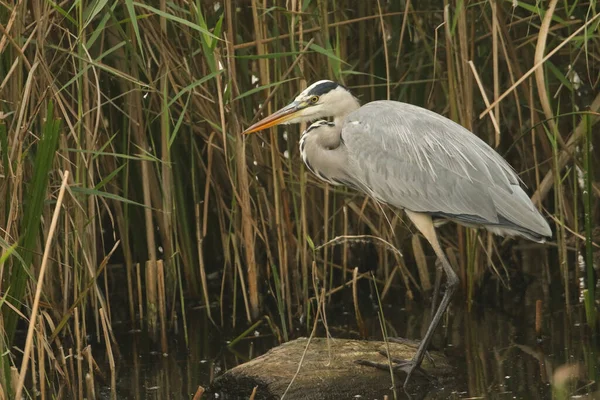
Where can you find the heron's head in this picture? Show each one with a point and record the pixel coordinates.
(322, 99)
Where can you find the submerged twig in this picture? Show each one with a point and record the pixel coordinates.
(360, 239)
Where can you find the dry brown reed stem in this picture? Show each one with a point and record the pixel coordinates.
(465, 53)
(390, 279)
(21, 126)
(402, 30)
(567, 153)
(253, 43)
(40, 283)
(67, 368)
(89, 386)
(320, 309)
(360, 239)
(89, 378)
(342, 286)
(129, 266)
(452, 85)
(495, 57)
(33, 370)
(199, 393)
(435, 62)
(253, 394)
(78, 352)
(509, 57)
(571, 231)
(238, 265)
(151, 297)
(140, 299)
(277, 175)
(539, 72)
(22, 58)
(162, 305)
(304, 255)
(532, 118)
(15, 310)
(553, 128)
(242, 190)
(201, 266)
(345, 245)
(109, 353)
(327, 264)
(358, 316)
(538, 64)
(11, 20)
(209, 164)
(488, 252)
(41, 338)
(283, 78)
(247, 229)
(137, 126)
(538, 318)
(385, 49)
(166, 172)
(91, 136)
(326, 207)
(486, 101)
(14, 379)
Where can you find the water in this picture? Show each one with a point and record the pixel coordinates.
(493, 348)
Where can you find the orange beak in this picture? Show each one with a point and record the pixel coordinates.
(278, 117)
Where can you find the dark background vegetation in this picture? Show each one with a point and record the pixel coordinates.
(168, 205)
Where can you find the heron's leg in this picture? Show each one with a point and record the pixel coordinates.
(425, 225)
(436, 285)
(411, 343)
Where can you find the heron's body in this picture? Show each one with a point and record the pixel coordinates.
(413, 159)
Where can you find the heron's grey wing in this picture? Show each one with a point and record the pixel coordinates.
(416, 159)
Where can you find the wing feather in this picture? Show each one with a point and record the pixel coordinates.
(416, 159)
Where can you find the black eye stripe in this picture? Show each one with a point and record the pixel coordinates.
(323, 88)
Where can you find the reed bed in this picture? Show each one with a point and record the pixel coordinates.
(127, 187)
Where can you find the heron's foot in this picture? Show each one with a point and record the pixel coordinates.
(410, 343)
(409, 367)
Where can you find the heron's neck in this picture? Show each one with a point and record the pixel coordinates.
(351, 104)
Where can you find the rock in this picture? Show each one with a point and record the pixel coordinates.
(326, 370)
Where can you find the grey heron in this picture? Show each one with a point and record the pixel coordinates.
(413, 159)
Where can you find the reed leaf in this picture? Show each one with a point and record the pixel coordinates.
(36, 197)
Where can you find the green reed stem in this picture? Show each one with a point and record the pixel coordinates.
(587, 203)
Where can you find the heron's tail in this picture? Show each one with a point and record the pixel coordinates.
(518, 216)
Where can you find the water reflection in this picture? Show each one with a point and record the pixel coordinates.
(494, 348)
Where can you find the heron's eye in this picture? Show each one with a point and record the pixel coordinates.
(314, 99)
